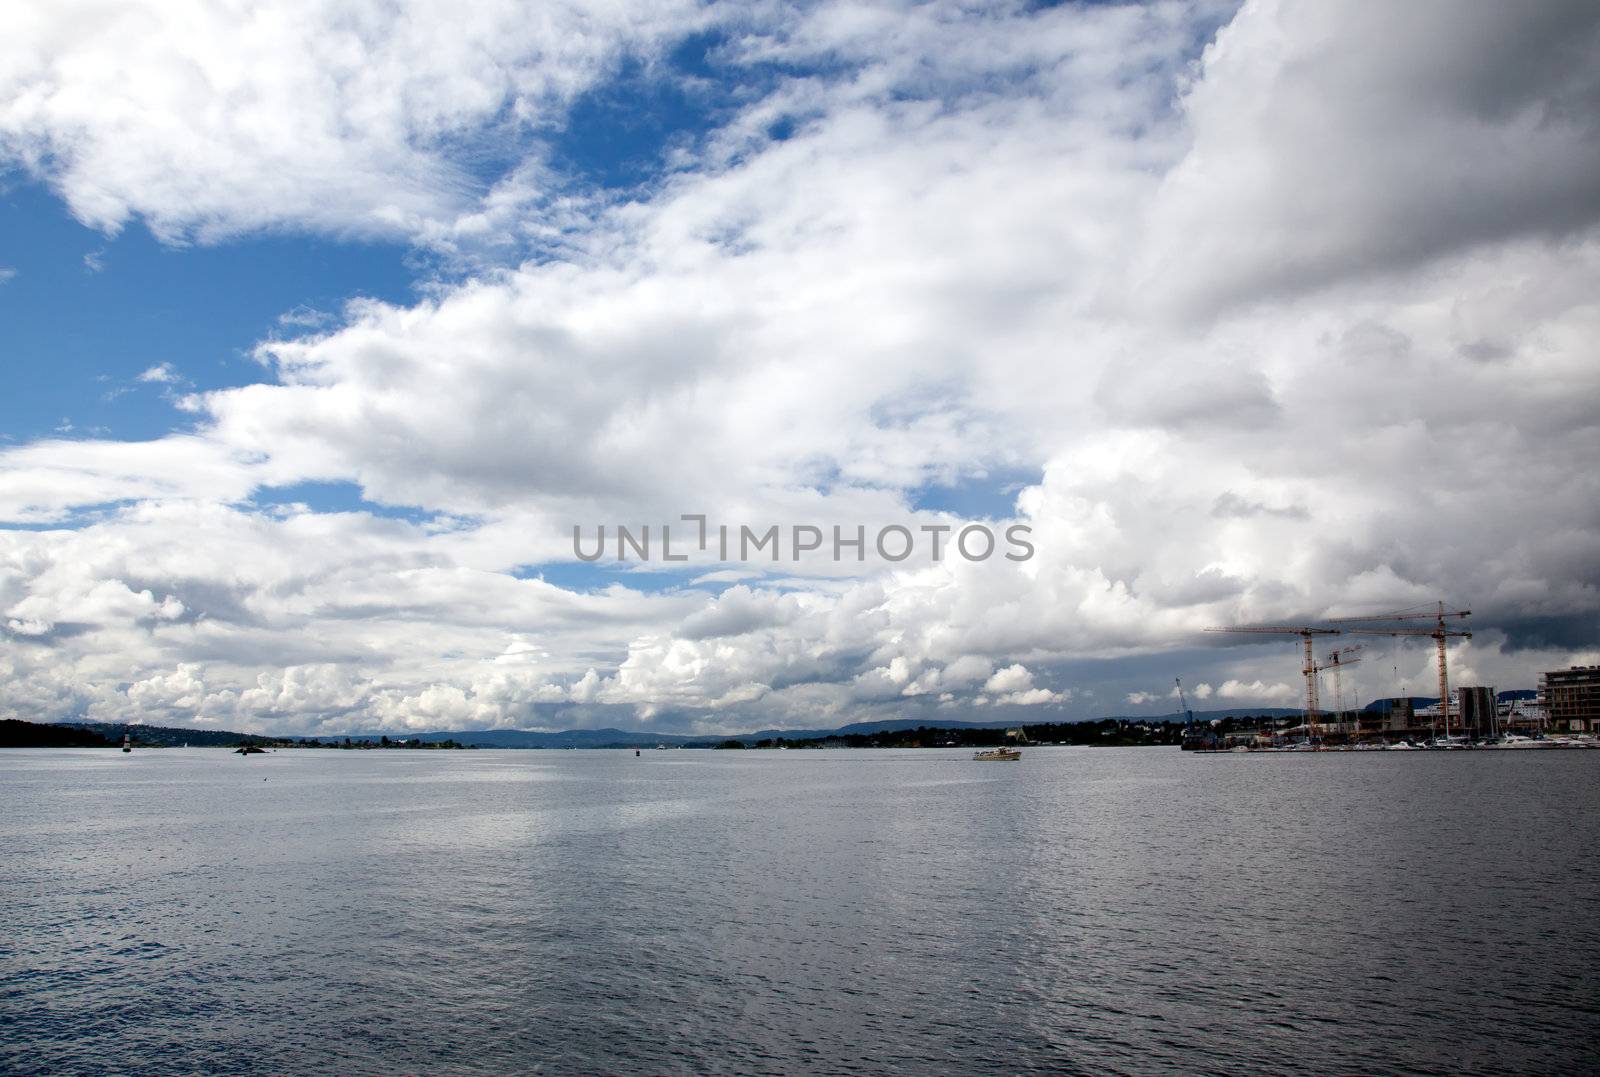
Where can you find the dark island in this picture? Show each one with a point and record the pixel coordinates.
(15, 733)
(19, 734)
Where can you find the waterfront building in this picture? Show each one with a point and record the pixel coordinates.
(1571, 698)
(1478, 712)
(1523, 716)
(1392, 715)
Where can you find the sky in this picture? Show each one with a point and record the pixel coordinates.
(324, 324)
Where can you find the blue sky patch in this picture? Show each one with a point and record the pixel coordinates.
(598, 575)
(619, 134)
(86, 314)
(992, 496)
(338, 496)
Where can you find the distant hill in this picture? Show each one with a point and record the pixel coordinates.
(170, 736)
(1206, 716)
(622, 738)
(1384, 706)
(568, 738)
(19, 734)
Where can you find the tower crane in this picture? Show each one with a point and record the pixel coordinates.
(1188, 715)
(1305, 632)
(1439, 633)
(1337, 660)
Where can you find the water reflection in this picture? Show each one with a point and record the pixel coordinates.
(1095, 911)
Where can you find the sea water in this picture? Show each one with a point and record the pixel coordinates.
(1079, 911)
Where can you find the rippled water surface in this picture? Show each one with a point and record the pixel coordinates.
(1096, 911)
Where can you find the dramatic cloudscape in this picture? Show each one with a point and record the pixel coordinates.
(324, 323)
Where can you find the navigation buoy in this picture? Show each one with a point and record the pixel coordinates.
(127, 746)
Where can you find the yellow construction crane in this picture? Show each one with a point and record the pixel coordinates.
(1439, 633)
(1305, 632)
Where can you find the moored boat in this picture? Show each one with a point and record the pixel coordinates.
(994, 754)
(1513, 742)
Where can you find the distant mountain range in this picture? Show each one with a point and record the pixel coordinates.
(16, 735)
(169, 736)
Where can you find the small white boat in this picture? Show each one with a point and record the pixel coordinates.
(1513, 741)
(1567, 742)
